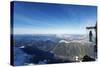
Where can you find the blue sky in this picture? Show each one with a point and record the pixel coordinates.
(42, 18)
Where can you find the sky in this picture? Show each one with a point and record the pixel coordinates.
(46, 18)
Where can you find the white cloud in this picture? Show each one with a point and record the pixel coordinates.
(48, 31)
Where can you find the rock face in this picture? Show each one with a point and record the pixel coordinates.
(49, 50)
(87, 58)
(67, 50)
